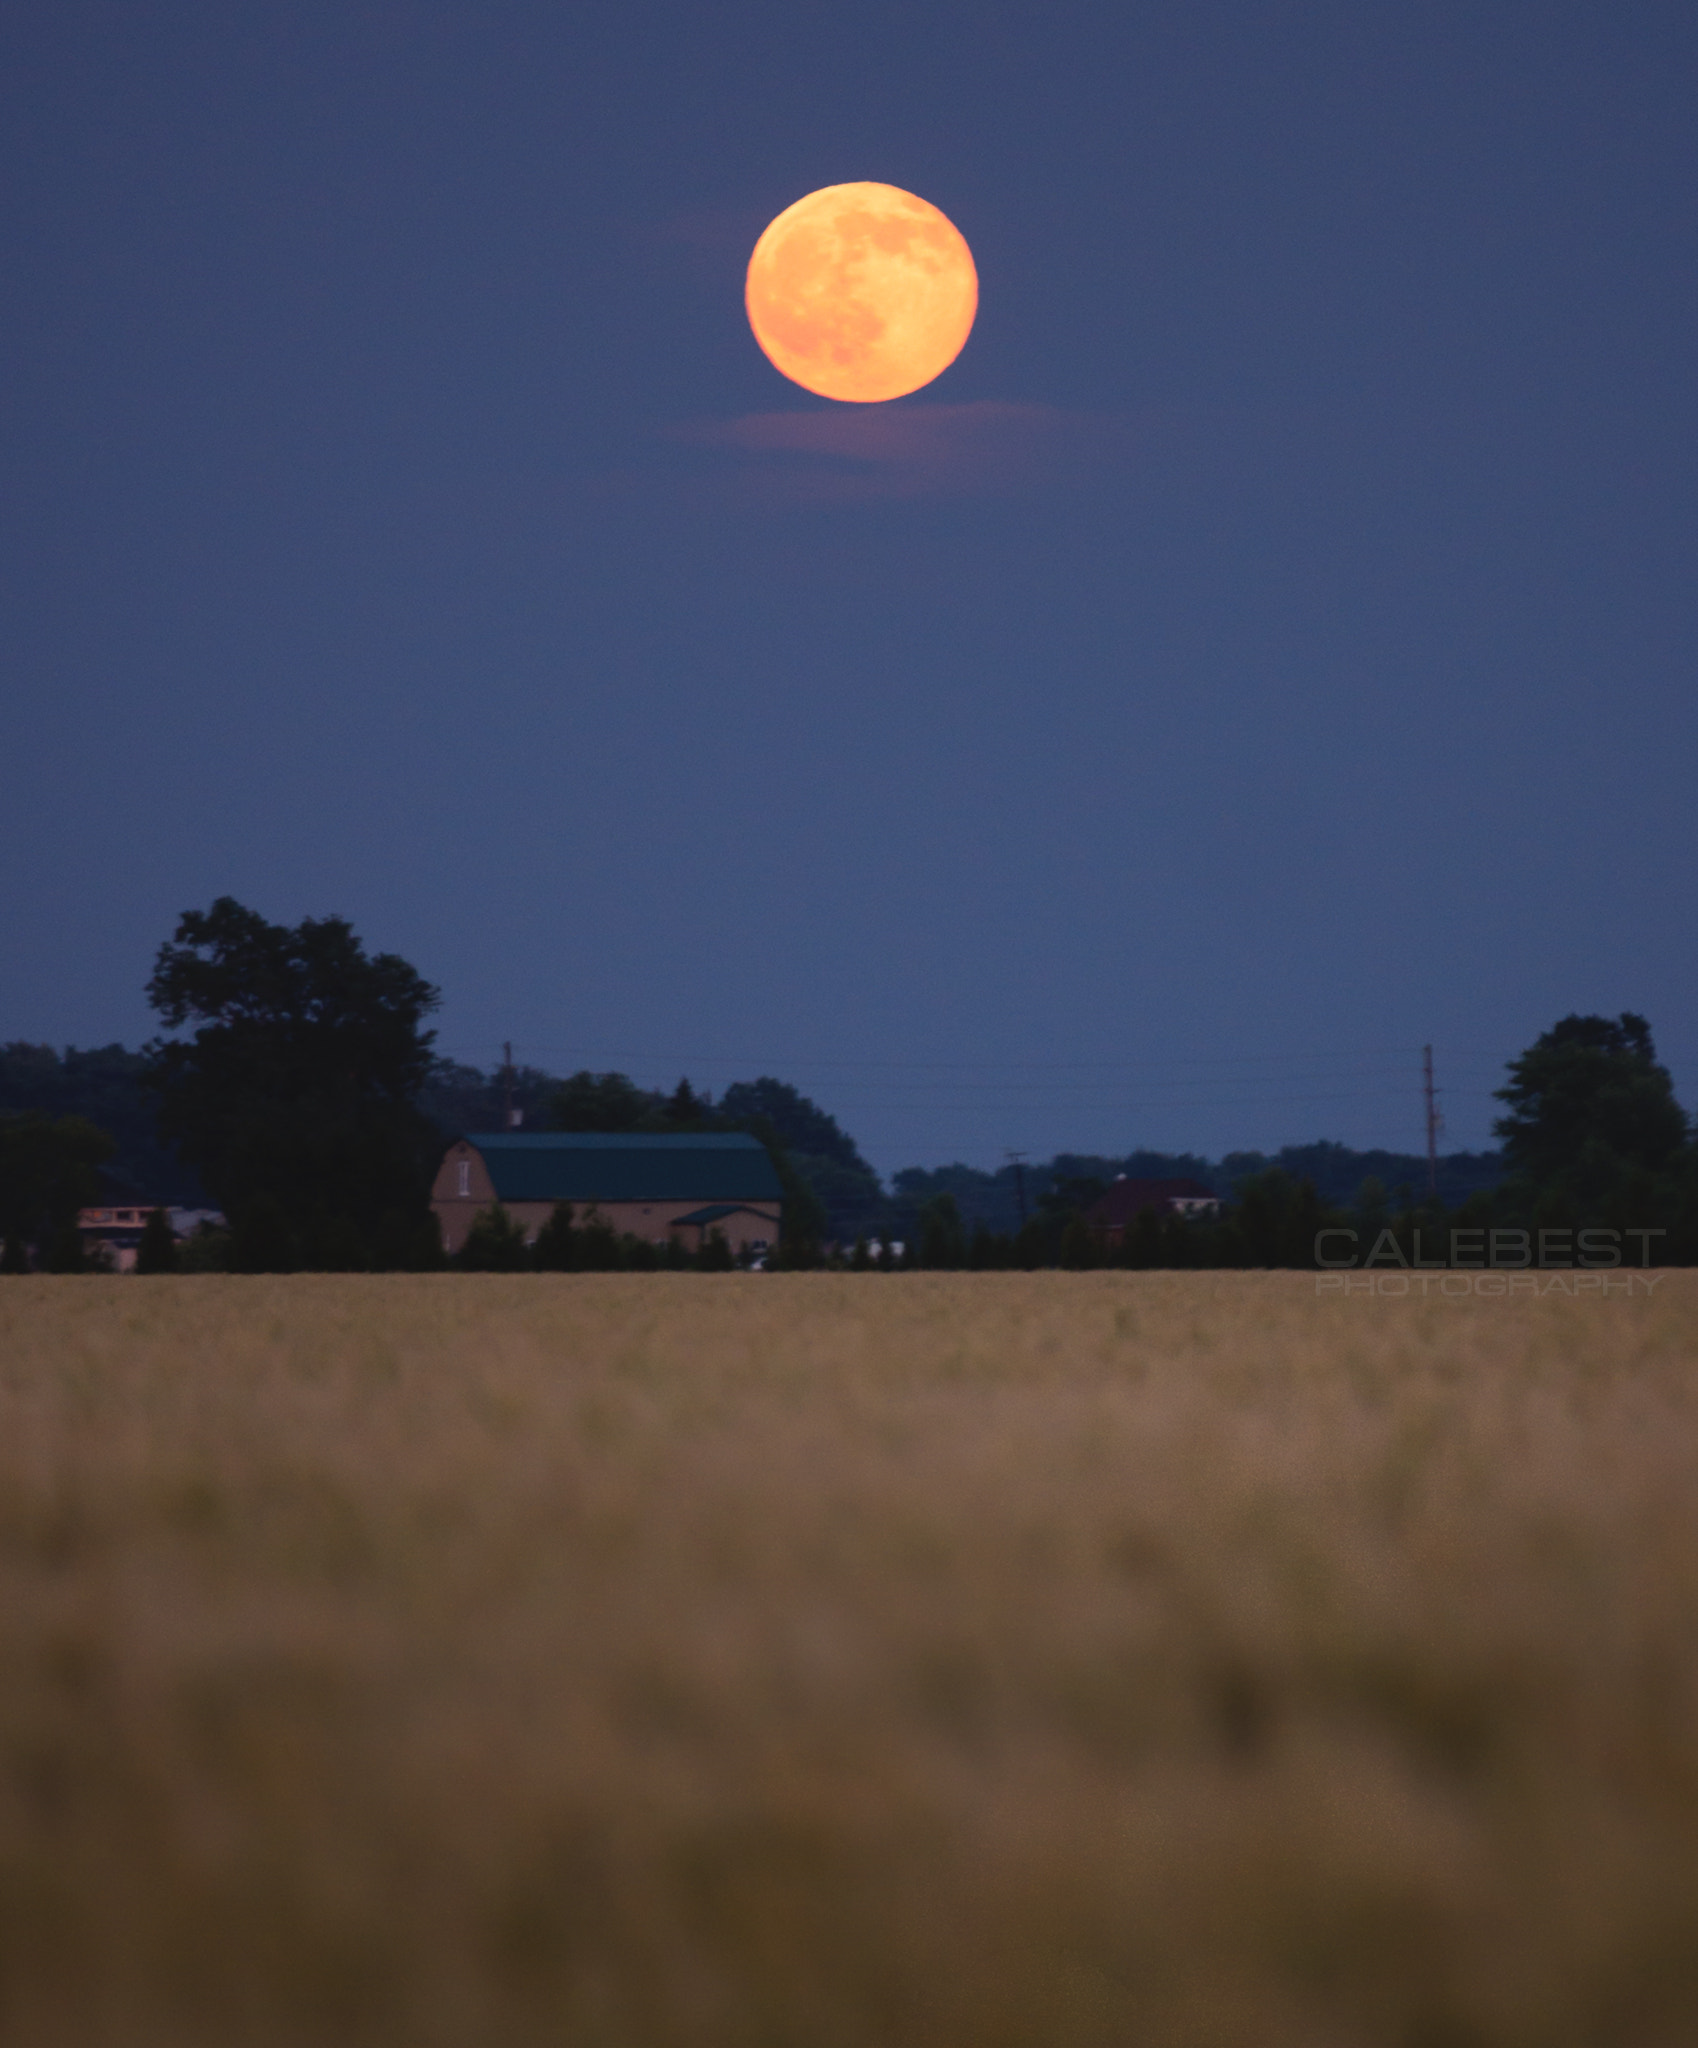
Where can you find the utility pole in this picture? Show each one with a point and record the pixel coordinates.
(1434, 1121)
(507, 1086)
(1019, 1183)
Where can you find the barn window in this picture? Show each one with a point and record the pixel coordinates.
(465, 1176)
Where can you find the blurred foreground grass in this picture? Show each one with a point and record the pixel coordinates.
(1027, 1661)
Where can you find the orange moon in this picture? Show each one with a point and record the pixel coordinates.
(862, 292)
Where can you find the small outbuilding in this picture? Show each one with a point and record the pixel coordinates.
(653, 1186)
(112, 1232)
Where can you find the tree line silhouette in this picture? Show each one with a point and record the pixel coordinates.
(294, 1087)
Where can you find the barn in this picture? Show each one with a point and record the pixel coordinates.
(654, 1186)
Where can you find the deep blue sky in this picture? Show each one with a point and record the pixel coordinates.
(1269, 647)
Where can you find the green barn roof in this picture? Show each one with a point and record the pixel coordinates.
(573, 1166)
(715, 1212)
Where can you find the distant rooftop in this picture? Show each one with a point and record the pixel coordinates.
(627, 1166)
(619, 1141)
(1126, 1198)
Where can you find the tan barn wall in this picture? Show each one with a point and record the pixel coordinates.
(743, 1227)
(455, 1212)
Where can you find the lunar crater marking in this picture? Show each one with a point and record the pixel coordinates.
(862, 292)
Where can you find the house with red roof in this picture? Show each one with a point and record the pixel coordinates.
(1111, 1214)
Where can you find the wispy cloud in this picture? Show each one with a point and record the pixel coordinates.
(903, 451)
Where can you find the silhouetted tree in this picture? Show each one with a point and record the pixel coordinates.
(157, 1252)
(1277, 1220)
(298, 1087)
(844, 1195)
(556, 1247)
(800, 1125)
(1589, 1108)
(494, 1244)
(207, 1251)
(603, 1102)
(686, 1110)
(66, 1252)
(1143, 1244)
(261, 1239)
(109, 1087)
(49, 1169)
(600, 1249)
(943, 1238)
(459, 1098)
(1080, 1249)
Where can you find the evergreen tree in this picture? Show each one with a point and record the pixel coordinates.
(686, 1110)
(1080, 1249)
(943, 1237)
(1143, 1243)
(1182, 1243)
(157, 1252)
(494, 1244)
(65, 1251)
(556, 1247)
(599, 1247)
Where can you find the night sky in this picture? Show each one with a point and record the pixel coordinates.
(1269, 648)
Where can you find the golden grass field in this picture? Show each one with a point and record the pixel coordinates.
(1144, 1660)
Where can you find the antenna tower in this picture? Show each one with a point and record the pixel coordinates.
(1435, 1122)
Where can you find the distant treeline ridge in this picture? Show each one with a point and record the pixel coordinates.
(295, 1088)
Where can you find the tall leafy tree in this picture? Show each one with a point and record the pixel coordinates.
(802, 1125)
(844, 1196)
(109, 1087)
(296, 1094)
(1590, 1109)
(49, 1169)
(604, 1102)
(459, 1098)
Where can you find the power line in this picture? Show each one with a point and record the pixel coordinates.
(1018, 1160)
(1078, 1076)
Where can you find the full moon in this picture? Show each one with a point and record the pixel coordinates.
(862, 292)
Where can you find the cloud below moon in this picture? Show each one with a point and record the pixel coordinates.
(905, 451)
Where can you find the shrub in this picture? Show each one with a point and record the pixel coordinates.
(494, 1244)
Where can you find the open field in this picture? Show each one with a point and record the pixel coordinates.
(1030, 1661)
